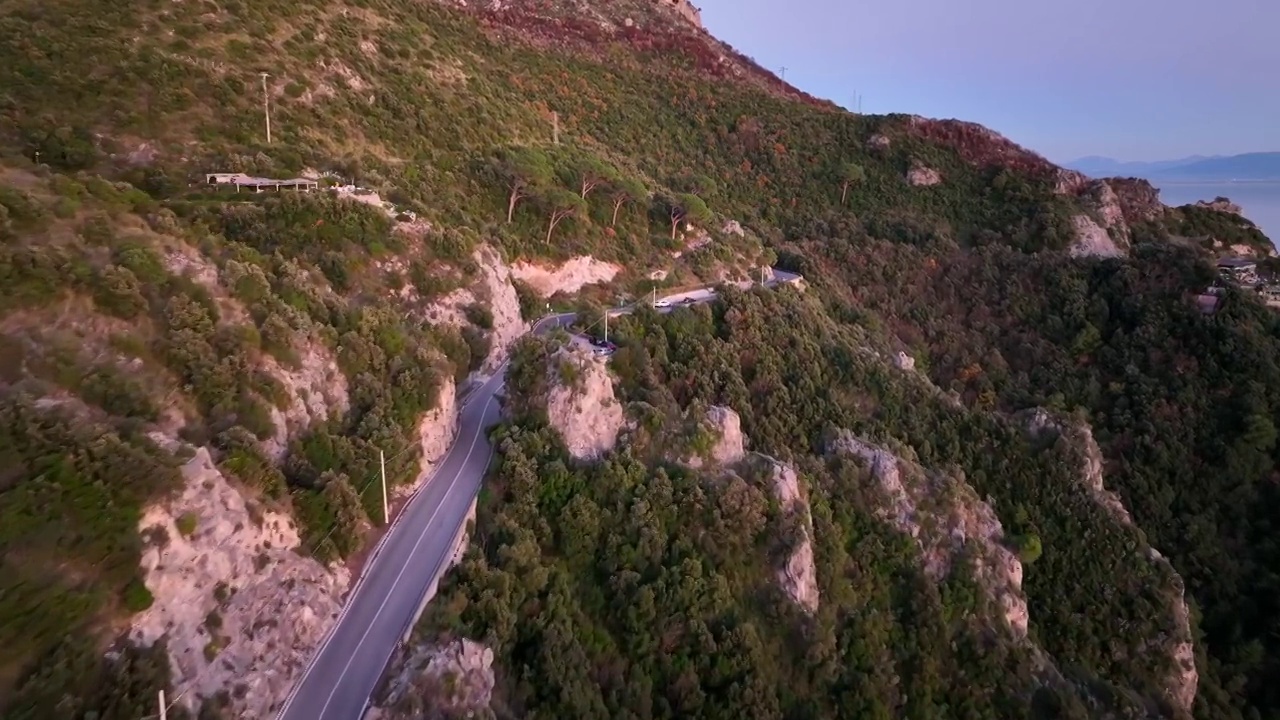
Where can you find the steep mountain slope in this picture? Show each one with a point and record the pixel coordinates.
(191, 372)
(1249, 166)
(951, 579)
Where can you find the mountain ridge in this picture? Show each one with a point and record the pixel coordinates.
(579, 155)
(1255, 166)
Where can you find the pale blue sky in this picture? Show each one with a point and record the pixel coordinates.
(1129, 79)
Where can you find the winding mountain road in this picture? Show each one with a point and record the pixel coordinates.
(385, 600)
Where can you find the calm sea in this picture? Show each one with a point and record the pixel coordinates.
(1260, 201)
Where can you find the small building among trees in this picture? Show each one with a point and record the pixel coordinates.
(240, 180)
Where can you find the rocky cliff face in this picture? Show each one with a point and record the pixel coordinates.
(241, 609)
(316, 389)
(455, 678)
(1182, 682)
(1221, 204)
(1113, 206)
(949, 524)
(580, 402)
(922, 176)
(723, 427)
(436, 432)
(798, 576)
(1092, 239)
(568, 277)
(493, 290)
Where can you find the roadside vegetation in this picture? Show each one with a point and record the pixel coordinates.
(134, 300)
(657, 579)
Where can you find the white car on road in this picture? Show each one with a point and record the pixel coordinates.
(662, 303)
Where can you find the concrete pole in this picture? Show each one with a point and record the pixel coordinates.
(386, 512)
(266, 106)
(162, 706)
(606, 325)
(555, 128)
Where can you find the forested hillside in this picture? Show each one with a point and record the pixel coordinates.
(1186, 421)
(148, 318)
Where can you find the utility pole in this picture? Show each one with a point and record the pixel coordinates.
(606, 325)
(762, 275)
(162, 707)
(784, 73)
(266, 105)
(555, 128)
(655, 296)
(386, 513)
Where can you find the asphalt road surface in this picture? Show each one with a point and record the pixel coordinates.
(350, 662)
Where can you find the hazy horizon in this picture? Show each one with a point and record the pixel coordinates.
(1142, 81)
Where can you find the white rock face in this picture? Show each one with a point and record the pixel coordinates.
(921, 176)
(317, 389)
(1092, 240)
(438, 427)
(568, 277)
(733, 227)
(1184, 679)
(436, 431)
(799, 576)
(242, 610)
(948, 521)
(878, 143)
(503, 302)
(494, 290)
(583, 410)
(457, 678)
(903, 361)
(726, 426)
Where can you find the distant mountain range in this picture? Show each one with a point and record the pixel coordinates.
(1196, 168)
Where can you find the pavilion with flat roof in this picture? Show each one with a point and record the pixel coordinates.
(257, 184)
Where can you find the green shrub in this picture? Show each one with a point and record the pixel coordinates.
(136, 596)
(480, 316)
(117, 292)
(532, 306)
(187, 523)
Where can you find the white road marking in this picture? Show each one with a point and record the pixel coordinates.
(373, 621)
(556, 320)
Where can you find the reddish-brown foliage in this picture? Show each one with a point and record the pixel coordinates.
(982, 147)
(566, 32)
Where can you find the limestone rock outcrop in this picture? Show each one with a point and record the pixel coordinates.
(456, 677)
(316, 388)
(1092, 240)
(500, 296)
(241, 609)
(436, 432)
(568, 277)
(493, 290)
(921, 176)
(1184, 678)
(724, 426)
(1221, 204)
(580, 402)
(948, 522)
(798, 576)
